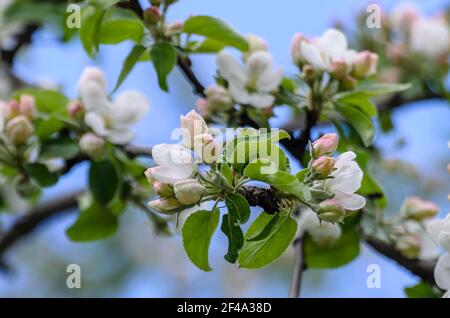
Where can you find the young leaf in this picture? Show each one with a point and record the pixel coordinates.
(343, 251)
(129, 63)
(91, 22)
(227, 173)
(359, 121)
(94, 223)
(103, 181)
(238, 207)
(281, 180)
(267, 229)
(62, 147)
(422, 290)
(164, 58)
(41, 174)
(233, 231)
(116, 31)
(197, 233)
(257, 254)
(215, 29)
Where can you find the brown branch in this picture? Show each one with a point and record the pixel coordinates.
(299, 266)
(422, 269)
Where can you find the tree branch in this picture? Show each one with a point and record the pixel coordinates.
(298, 267)
(422, 269)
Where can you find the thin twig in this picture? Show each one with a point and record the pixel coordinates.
(298, 266)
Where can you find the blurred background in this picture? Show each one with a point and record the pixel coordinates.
(138, 263)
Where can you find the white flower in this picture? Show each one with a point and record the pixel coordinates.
(439, 231)
(323, 233)
(346, 181)
(110, 119)
(442, 273)
(175, 164)
(252, 83)
(430, 37)
(428, 248)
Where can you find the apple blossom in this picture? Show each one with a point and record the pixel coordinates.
(365, 64)
(442, 273)
(218, 99)
(428, 248)
(327, 144)
(255, 44)
(430, 37)
(208, 148)
(331, 211)
(323, 166)
(346, 180)
(323, 233)
(253, 83)
(192, 125)
(189, 191)
(166, 205)
(439, 231)
(109, 119)
(409, 245)
(92, 145)
(175, 164)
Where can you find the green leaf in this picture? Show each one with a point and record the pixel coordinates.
(62, 147)
(215, 29)
(422, 290)
(41, 174)
(91, 22)
(197, 233)
(47, 127)
(257, 254)
(238, 207)
(227, 173)
(267, 229)
(164, 58)
(94, 223)
(343, 251)
(117, 31)
(361, 101)
(374, 89)
(103, 4)
(233, 231)
(103, 181)
(47, 101)
(129, 63)
(281, 180)
(360, 121)
(206, 46)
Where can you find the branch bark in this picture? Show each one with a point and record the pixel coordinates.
(299, 266)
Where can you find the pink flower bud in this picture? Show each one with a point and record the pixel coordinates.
(149, 175)
(365, 64)
(27, 105)
(327, 144)
(331, 211)
(92, 145)
(295, 47)
(338, 69)
(409, 245)
(192, 125)
(202, 107)
(75, 109)
(11, 109)
(218, 98)
(166, 206)
(163, 189)
(323, 166)
(19, 130)
(189, 191)
(152, 15)
(418, 209)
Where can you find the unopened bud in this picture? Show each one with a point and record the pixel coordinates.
(149, 175)
(331, 211)
(295, 47)
(189, 191)
(92, 145)
(338, 69)
(323, 166)
(327, 144)
(166, 206)
(192, 125)
(27, 105)
(409, 245)
(11, 109)
(418, 209)
(19, 130)
(202, 107)
(255, 44)
(365, 64)
(173, 28)
(208, 148)
(218, 98)
(152, 15)
(348, 83)
(163, 189)
(75, 109)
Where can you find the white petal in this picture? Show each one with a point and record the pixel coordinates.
(258, 65)
(444, 240)
(270, 81)
(171, 175)
(93, 97)
(95, 121)
(348, 175)
(239, 93)
(442, 272)
(352, 202)
(120, 137)
(129, 108)
(333, 43)
(311, 54)
(167, 155)
(434, 228)
(92, 74)
(261, 100)
(230, 69)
